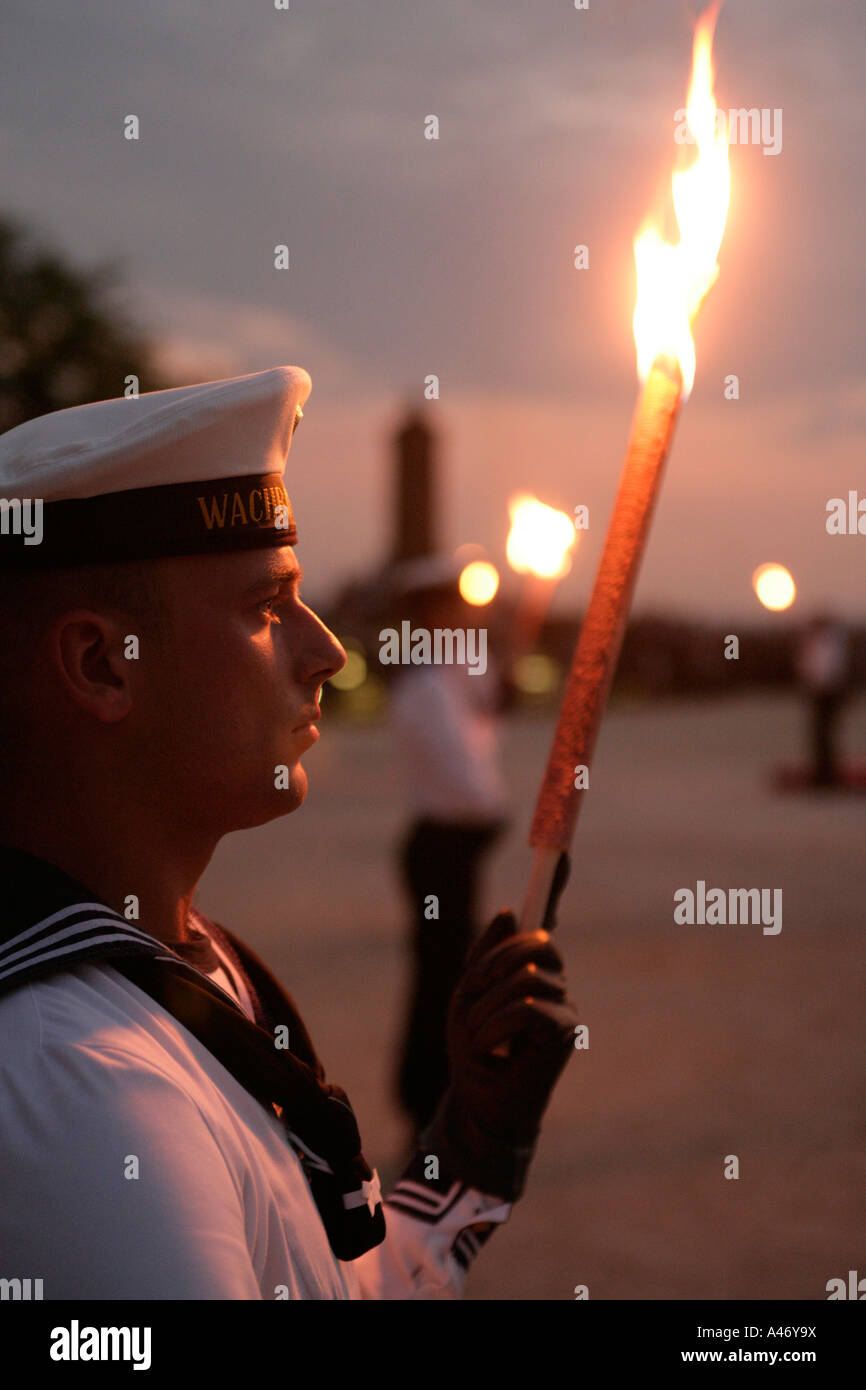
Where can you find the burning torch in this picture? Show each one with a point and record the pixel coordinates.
(672, 281)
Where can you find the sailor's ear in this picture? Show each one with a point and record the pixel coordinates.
(90, 654)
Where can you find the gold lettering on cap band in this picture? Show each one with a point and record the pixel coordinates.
(210, 516)
(216, 512)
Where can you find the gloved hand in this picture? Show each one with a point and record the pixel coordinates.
(512, 992)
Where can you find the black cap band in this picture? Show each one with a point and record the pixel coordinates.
(203, 518)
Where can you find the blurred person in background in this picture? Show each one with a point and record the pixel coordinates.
(446, 721)
(823, 669)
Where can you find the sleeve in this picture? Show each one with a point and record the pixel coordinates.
(435, 1228)
(119, 1187)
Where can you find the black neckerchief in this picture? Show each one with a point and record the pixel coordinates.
(52, 923)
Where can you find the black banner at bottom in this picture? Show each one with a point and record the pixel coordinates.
(63, 1339)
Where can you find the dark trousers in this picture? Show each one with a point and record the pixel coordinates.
(825, 715)
(440, 861)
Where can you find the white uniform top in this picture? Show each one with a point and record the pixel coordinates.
(134, 1166)
(822, 658)
(448, 733)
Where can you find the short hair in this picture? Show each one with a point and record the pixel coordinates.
(29, 601)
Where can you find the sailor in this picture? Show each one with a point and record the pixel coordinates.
(166, 1127)
(445, 719)
(821, 660)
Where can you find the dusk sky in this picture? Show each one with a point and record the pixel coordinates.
(454, 256)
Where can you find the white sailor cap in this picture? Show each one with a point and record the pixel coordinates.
(192, 470)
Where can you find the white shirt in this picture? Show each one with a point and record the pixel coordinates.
(134, 1166)
(822, 658)
(448, 737)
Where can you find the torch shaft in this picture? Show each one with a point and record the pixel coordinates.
(601, 634)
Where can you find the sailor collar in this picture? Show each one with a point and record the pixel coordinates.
(53, 923)
(49, 918)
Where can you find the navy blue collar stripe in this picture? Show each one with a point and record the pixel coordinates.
(40, 928)
(48, 943)
(78, 948)
(89, 938)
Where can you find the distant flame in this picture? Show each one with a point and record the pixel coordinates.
(540, 538)
(672, 280)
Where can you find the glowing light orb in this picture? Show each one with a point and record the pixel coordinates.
(536, 674)
(479, 582)
(354, 673)
(774, 586)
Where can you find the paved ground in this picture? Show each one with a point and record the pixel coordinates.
(704, 1041)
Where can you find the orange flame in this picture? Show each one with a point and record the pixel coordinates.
(672, 280)
(540, 538)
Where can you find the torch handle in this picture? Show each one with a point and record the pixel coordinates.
(597, 650)
(550, 871)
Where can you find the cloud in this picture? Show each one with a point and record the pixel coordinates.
(202, 337)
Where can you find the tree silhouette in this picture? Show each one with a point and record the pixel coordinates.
(62, 341)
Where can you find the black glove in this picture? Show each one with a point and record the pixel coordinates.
(512, 993)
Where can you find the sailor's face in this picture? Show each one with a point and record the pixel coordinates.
(242, 688)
